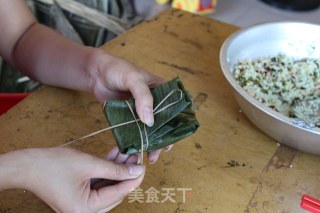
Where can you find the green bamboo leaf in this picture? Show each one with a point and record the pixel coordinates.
(171, 125)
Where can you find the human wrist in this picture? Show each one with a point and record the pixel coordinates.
(13, 170)
(100, 62)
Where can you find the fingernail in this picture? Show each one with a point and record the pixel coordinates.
(148, 116)
(168, 148)
(135, 170)
(153, 159)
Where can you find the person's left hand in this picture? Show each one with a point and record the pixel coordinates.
(114, 78)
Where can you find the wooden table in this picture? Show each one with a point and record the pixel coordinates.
(227, 166)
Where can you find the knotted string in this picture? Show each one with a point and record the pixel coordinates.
(155, 111)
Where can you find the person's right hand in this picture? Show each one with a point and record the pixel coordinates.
(62, 178)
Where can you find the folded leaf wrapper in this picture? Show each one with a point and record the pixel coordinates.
(171, 125)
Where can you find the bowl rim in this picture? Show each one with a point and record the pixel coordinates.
(234, 84)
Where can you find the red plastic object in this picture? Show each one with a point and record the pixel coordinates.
(311, 204)
(8, 100)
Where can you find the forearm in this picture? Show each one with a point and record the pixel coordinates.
(40, 52)
(48, 57)
(12, 170)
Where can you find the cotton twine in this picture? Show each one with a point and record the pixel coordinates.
(156, 110)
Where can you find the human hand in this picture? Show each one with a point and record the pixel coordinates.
(114, 78)
(62, 177)
(117, 157)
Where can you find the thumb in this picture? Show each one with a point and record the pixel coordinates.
(143, 101)
(112, 171)
(110, 196)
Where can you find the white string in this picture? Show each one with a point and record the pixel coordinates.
(155, 111)
(99, 131)
(169, 105)
(140, 132)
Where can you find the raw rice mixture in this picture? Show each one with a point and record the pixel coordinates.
(291, 87)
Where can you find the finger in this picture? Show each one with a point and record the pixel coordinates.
(112, 155)
(121, 158)
(110, 195)
(142, 95)
(110, 207)
(128, 159)
(117, 157)
(133, 159)
(168, 148)
(99, 183)
(143, 100)
(104, 94)
(153, 156)
(115, 95)
(110, 170)
(151, 79)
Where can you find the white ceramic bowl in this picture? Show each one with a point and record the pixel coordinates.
(296, 39)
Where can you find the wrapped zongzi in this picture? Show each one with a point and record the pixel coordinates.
(174, 119)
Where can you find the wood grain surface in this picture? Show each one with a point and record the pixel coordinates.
(227, 166)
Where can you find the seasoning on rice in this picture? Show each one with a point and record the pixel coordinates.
(289, 86)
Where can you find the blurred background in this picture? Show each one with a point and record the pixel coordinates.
(244, 13)
(89, 22)
(95, 22)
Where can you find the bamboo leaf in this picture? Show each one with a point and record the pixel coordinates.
(171, 125)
